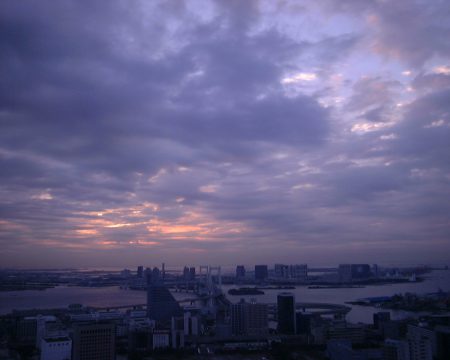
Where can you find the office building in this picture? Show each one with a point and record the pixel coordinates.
(261, 272)
(249, 319)
(361, 271)
(353, 272)
(281, 271)
(298, 272)
(240, 272)
(56, 348)
(355, 333)
(94, 341)
(161, 305)
(140, 272)
(422, 342)
(26, 330)
(286, 313)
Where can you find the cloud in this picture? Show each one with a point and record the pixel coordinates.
(142, 132)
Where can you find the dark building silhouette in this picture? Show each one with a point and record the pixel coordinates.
(94, 341)
(261, 272)
(381, 317)
(286, 313)
(443, 342)
(140, 272)
(192, 273)
(249, 318)
(240, 271)
(161, 305)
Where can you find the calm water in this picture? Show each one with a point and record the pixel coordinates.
(114, 296)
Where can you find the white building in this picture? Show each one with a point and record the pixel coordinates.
(58, 348)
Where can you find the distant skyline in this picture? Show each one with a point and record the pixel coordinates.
(224, 132)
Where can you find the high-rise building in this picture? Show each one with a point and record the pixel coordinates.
(161, 305)
(261, 272)
(286, 313)
(186, 273)
(94, 341)
(298, 272)
(345, 273)
(422, 341)
(140, 271)
(354, 272)
(240, 272)
(249, 318)
(281, 271)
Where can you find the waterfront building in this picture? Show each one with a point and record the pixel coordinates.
(298, 272)
(345, 273)
(161, 305)
(286, 313)
(240, 272)
(261, 272)
(353, 272)
(281, 271)
(249, 318)
(94, 341)
(56, 348)
(361, 271)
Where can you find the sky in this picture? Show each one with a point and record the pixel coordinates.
(224, 132)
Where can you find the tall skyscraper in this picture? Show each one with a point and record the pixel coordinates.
(161, 305)
(286, 313)
(261, 272)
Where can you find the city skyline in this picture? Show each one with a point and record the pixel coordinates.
(224, 132)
